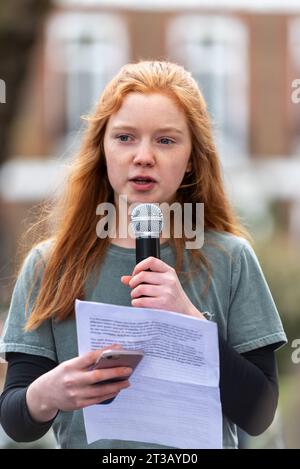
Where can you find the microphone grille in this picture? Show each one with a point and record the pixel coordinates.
(147, 221)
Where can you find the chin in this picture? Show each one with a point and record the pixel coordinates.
(132, 199)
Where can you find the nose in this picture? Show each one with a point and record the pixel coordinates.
(144, 155)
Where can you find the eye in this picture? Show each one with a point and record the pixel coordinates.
(123, 138)
(166, 141)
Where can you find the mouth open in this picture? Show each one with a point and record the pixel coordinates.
(142, 183)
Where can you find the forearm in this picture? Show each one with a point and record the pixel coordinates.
(16, 418)
(249, 390)
(38, 402)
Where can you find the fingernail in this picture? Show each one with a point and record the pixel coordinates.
(124, 386)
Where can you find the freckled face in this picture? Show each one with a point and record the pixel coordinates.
(147, 146)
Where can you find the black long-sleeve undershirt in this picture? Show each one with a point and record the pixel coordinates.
(15, 418)
(248, 388)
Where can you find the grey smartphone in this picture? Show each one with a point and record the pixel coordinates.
(115, 358)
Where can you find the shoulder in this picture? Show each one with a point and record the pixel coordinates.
(234, 258)
(43, 249)
(37, 257)
(226, 245)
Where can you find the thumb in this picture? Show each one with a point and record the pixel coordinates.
(89, 358)
(126, 279)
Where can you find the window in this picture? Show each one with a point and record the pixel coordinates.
(215, 50)
(85, 50)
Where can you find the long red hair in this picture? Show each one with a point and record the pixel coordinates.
(75, 249)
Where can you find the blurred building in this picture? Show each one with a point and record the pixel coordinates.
(244, 55)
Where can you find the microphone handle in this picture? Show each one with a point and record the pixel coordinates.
(146, 247)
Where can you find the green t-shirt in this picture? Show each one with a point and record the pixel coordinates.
(238, 297)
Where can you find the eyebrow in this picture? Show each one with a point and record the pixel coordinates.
(162, 129)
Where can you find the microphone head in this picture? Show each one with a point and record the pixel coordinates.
(147, 221)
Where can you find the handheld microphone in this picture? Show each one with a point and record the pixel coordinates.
(147, 224)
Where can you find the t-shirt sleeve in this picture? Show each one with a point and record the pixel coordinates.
(14, 339)
(253, 319)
